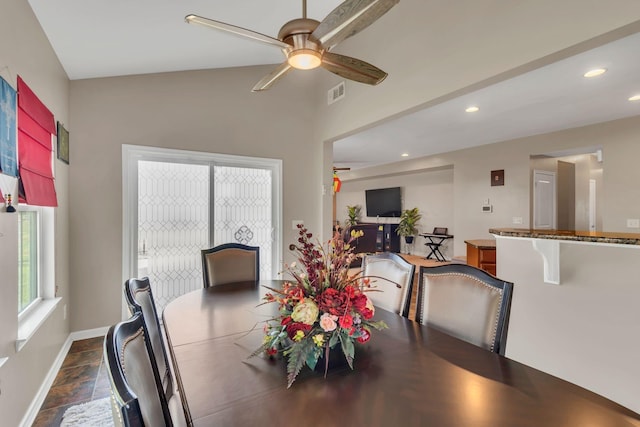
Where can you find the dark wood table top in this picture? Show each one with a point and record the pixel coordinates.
(409, 375)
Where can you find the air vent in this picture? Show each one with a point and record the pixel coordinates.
(336, 93)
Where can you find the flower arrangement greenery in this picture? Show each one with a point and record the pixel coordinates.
(323, 307)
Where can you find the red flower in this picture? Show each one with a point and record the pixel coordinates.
(272, 351)
(333, 302)
(365, 335)
(367, 313)
(286, 320)
(359, 302)
(345, 321)
(294, 327)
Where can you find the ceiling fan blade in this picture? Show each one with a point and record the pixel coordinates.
(239, 31)
(349, 18)
(268, 80)
(352, 68)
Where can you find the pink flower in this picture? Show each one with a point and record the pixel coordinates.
(328, 322)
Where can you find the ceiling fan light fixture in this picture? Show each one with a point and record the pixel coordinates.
(304, 59)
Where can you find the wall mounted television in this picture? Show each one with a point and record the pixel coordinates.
(384, 202)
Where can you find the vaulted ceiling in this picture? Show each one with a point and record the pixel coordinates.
(116, 38)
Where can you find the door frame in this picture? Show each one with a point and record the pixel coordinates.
(131, 154)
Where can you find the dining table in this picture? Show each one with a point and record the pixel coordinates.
(408, 374)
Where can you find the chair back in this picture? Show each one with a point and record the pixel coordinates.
(230, 262)
(140, 300)
(136, 394)
(465, 302)
(394, 277)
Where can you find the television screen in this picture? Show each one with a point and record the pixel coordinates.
(385, 202)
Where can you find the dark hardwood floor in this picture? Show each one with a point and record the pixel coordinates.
(82, 377)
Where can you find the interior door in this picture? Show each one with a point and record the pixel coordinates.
(544, 200)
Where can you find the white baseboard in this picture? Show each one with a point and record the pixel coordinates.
(88, 333)
(38, 400)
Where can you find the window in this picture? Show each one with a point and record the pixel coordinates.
(36, 273)
(28, 258)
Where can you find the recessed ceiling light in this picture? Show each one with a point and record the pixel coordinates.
(405, 154)
(595, 72)
(635, 98)
(472, 109)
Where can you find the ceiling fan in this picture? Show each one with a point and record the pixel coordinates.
(306, 43)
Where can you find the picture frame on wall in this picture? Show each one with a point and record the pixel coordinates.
(63, 143)
(497, 178)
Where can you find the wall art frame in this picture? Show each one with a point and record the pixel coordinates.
(63, 143)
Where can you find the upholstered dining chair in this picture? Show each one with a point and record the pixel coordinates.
(465, 302)
(393, 276)
(140, 300)
(136, 394)
(230, 262)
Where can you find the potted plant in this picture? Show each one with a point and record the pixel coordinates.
(354, 214)
(407, 226)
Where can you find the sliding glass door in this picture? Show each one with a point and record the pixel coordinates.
(179, 203)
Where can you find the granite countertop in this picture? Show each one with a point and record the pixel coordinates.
(482, 243)
(576, 236)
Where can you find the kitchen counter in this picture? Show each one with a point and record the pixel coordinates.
(568, 235)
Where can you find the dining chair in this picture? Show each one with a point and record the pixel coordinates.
(136, 394)
(465, 302)
(230, 262)
(393, 276)
(139, 297)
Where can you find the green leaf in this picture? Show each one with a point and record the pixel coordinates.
(312, 358)
(333, 340)
(298, 355)
(347, 348)
(377, 325)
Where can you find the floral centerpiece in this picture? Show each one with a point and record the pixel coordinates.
(321, 308)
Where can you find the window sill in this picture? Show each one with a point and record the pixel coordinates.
(30, 324)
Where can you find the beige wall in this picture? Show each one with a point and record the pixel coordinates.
(25, 51)
(619, 196)
(212, 111)
(430, 191)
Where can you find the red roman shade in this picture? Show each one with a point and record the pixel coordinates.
(35, 127)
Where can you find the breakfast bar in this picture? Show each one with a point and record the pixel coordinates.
(576, 306)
